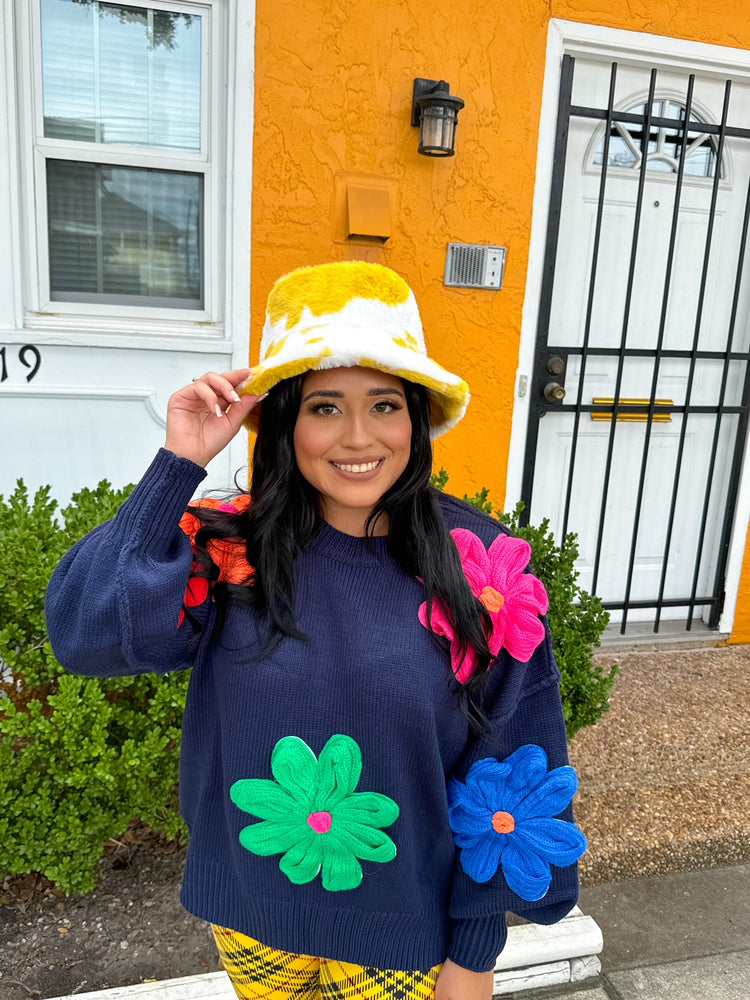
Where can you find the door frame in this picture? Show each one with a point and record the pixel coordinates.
(576, 39)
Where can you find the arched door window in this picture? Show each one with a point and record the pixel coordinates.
(664, 146)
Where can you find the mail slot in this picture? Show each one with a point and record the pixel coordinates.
(660, 417)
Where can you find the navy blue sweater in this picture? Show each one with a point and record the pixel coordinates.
(368, 673)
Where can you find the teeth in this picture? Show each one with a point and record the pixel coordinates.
(367, 467)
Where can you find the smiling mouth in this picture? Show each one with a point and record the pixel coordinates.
(362, 467)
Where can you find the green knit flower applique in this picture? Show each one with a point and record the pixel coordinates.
(312, 815)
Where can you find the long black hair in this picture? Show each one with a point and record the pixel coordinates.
(283, 517)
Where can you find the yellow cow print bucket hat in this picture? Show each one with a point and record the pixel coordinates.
(346, 314)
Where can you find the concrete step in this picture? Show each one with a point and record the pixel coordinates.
(211, 986)
(537, 955)
(534, 956)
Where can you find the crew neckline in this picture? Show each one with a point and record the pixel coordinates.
(354, 549)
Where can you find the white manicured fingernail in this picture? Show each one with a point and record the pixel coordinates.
(218, 411)
(235, 397)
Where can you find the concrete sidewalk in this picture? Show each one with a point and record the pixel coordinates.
(676, 937)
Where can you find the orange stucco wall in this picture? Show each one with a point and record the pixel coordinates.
(333, 96)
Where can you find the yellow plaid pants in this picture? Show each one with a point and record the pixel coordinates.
(261, 973)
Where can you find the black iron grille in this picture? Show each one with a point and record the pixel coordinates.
(728, 410)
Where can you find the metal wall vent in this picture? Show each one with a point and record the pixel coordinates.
(474, 265)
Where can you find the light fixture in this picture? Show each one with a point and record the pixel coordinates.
(435, 110)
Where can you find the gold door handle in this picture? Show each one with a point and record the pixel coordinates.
(660, 417)
(554, 392)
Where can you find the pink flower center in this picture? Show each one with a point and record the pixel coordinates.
(503, 822)
(320, 821)
(492, 599)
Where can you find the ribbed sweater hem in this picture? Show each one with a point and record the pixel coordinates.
(477, 941)
(384, 940)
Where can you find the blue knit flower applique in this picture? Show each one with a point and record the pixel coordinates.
(312, 815)
(502, 815)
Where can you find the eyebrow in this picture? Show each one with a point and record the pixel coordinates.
(337, 394)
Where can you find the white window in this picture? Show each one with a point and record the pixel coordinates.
(126, 157)
(125, 222)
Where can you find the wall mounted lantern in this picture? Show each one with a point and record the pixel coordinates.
(435, 110)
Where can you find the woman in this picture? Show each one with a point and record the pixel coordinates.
(373, 749)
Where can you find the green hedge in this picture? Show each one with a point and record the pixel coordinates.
(81, 757)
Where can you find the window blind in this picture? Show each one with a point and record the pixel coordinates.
(113, 73)
(117, 74)
(124, 234)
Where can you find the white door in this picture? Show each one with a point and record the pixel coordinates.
(648, 500)
(73, 415)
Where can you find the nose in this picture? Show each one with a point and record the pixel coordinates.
(356, 432)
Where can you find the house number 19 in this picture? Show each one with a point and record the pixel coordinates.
(28, 355)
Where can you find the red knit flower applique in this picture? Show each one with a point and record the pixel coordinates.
(226, 553)
(513, 598)
(196, 592)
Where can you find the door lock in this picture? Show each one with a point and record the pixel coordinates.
(555, 365)
(554, 392)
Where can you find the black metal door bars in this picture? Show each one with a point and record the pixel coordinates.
(730, 419)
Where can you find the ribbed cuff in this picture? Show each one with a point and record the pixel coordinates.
(477, 941)
(156, 505)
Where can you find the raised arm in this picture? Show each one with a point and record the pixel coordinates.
(114, 602)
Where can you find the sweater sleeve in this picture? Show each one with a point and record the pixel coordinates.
(114, 603)
(510, 811)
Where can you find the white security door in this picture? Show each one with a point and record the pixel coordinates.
(643, 324)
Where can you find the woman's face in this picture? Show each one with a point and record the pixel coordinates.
(352, 441)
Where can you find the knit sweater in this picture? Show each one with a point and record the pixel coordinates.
(333, 752)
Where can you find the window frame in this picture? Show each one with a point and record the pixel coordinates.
(41, 312)
(699, 116)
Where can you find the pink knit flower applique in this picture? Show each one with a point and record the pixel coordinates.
(513, 598)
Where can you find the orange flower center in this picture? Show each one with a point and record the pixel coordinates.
(503, 822)
(492, 599)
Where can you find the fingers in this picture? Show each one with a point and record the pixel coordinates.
(218, 393)
(204, 416)
(237, 412)
(235, 376)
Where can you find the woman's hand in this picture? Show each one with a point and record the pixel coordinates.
(204, 416)
(455, 983)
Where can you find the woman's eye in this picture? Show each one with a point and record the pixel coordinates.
(384, 407)
(326, 409)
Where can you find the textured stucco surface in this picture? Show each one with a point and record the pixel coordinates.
(333, 98)
(741, 629)
(334, 87)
